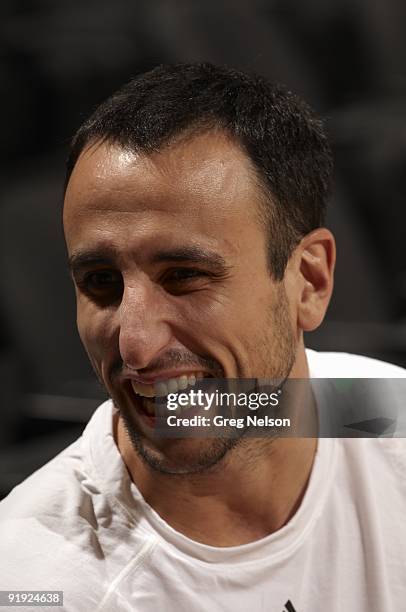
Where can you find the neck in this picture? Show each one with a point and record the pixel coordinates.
(251, 494)
(254, 491)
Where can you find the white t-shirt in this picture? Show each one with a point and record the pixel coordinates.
(81, 526)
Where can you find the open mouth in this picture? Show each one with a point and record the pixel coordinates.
(151, 399)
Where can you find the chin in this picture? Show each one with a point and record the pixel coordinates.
(182, 456)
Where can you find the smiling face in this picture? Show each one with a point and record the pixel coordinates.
(171, 276)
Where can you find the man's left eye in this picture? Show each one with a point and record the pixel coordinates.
(179, 280)
(183, 274)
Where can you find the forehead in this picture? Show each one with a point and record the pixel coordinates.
(199, 190)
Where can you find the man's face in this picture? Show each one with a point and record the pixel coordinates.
(170, 268)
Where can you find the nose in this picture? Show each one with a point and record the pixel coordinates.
(144, 330)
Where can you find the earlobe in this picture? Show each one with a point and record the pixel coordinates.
(316, 268)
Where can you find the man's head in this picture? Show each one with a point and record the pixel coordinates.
(289, 153)
(193, 202)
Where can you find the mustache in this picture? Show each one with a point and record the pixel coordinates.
(172, 359)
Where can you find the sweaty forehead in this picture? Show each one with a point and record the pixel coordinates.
(208, 169)
(199, 191)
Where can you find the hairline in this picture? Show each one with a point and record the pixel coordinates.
(265, 205)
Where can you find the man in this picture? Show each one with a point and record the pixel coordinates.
(194, 211)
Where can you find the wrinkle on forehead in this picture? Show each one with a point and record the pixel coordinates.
(199, 190)
(209, 166)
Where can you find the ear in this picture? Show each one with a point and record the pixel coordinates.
(316, 255)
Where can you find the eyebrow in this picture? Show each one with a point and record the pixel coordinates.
(78, 261)
(187, 254)
(191, 254)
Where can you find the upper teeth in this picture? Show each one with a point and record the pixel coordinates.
(162, 388)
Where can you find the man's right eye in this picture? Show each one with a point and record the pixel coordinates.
(103, 284)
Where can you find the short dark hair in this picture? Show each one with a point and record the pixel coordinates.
(278, 131)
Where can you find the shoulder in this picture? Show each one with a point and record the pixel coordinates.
(60, 482)
(369, 493)
(33, 517)
(346, 365)
(48, 487)
(48, 520)
(377, 470)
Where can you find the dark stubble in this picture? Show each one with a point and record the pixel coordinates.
(276, 358)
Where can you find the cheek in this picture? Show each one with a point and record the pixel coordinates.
(226, 326)
(207, 319)
(234, 311)
(95, 332)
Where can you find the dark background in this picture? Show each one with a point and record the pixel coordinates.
(59, 59)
